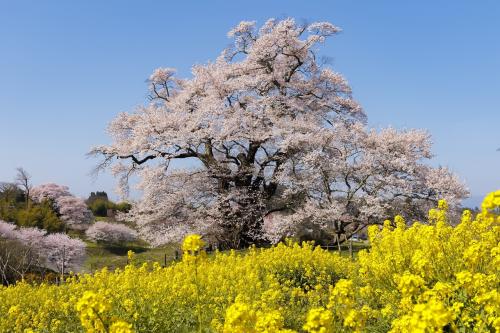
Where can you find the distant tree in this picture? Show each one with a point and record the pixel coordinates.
(99, 195)
(7, 230)
(10, 192)
(123, 207)
(27, 249)
(99, 204)
(63, 253)
(112, 233)
(16, 260)
(71, 210)
(23, 180)
(99, 207)
(74, 212)
(31, 236)
(19, 252)
(11, 201)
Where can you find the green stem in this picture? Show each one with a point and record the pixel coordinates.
(198, 305)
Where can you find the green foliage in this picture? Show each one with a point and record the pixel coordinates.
(42, 216)
(123, 206)
(99, 207)
(99, 195)
(11, 200)
(8, 211)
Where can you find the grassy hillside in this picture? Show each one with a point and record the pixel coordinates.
(100, 256)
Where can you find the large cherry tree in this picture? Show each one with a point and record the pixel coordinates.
(247, 121)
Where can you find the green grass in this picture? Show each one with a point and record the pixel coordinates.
(344, 248)
(112, 257)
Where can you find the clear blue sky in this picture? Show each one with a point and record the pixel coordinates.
(68, 67)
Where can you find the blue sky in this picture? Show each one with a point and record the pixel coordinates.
(68, 67)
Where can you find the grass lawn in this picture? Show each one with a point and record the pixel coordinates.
(100, 256)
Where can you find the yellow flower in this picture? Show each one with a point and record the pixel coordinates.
(427, 317)
(240, 318)
(319, 320)
(443, 205)
(121, 327)
(130, 256)
(192, 244)
(92, 308)
(270, 321)
(409, 284)
(425, 277)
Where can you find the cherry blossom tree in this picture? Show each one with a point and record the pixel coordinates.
(72, 210)
(24, 249)
(32, 237)
(112, 233)
(63, 253)
(23, 180)
(252, 123)
(49, 191)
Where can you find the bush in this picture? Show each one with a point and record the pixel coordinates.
(99, 207)
(123, 207)
(41, 216)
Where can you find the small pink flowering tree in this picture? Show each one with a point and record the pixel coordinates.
(74, 212)
(62, 252)
(111, 233)
(71, 210)
(27, 249)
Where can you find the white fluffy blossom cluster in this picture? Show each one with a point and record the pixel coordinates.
(49, 191)
(56, 251)
(7, 230)
(112, 233)
(73, 211)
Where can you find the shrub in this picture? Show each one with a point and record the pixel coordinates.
(99, 207)
(123, 207)
(41, 216)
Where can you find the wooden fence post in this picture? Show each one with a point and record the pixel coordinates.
(350, 248)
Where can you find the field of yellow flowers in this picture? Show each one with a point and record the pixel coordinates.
(429, 277)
